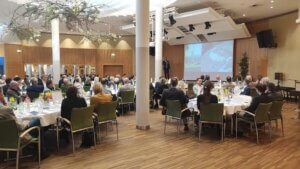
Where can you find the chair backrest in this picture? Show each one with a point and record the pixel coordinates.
(173, 108)
(33, 95)
(106, 111)
(276, 109)
(56, 86)
(86, 88)
(9, 134)
(212, 112)
(190, 86)
(82, 118)
(261, 112)
(63, 89)
(127, 96)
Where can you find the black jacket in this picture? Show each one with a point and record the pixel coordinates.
(159, 88)
(263, 98)
(212, 99)
(246, 91)
(69, 103)
(35, 88)
(173, 94)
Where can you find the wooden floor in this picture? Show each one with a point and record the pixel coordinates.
(152, 149)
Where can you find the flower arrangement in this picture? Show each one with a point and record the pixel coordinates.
(46, 96)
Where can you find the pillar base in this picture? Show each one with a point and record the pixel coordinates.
(143, 127)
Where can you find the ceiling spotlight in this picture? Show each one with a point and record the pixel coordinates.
(191, 27)
(271, 7)
(272, 1)
(244, 15)
(207, 25)
(172, 20)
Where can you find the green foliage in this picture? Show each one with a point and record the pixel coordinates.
(244, 65)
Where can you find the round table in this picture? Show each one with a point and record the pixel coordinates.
(231, 105)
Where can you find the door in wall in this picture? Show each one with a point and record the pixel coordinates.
(112, 70)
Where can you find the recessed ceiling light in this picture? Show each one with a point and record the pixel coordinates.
(244, 15)
(271, 7)
(272, 1)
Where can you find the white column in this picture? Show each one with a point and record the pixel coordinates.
(142, 64)
(28, 70)
(55, 50)
(40, 70)
(63, 71)
(158, 42)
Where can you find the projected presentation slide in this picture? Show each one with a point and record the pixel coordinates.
(215, 58)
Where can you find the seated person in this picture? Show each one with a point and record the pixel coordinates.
(61, 81)
(78, 85)
(126, 87)
(275, 96)
(261, 98)
(159, 88)
(6, 86)
(247, 88)
(218, 81)
(175, 94)
(13, 91)
(87, 82)
(198, 88)
(100, 96)
(72, 101)
(205, 98)
(34, 86)
(229, 84)
(49, 86)
(2, 100)
(182, 86)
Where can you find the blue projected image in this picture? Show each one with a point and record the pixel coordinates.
(212, 59)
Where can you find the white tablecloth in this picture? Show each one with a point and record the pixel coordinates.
(236, 103)
(46, 113)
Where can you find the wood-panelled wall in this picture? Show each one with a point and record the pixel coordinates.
(43, 55)
(175, 55)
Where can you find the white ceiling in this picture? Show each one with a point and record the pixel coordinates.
(119, 12)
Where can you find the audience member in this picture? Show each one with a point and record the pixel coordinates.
(205, 98)
(175, 94)
(159, 88)
(247, 88)
(72, 101)
(100, 96)
(126, 86)
(198, 88)
(13, 91)
(6, 86)
(34, 86)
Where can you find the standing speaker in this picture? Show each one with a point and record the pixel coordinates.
(278, 76)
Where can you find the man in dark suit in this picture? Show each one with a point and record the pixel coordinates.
(247, 89)
(176, 94)
(261, 98)
(35, 87)
(166, 67)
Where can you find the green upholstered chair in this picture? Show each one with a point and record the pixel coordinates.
(212, 113)
(126, 98)
(190, 86)
(81, 120)
(174, 111)
(86, 88)
(276, 113)
(106, 113)
(12, 140)
(261, 116)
